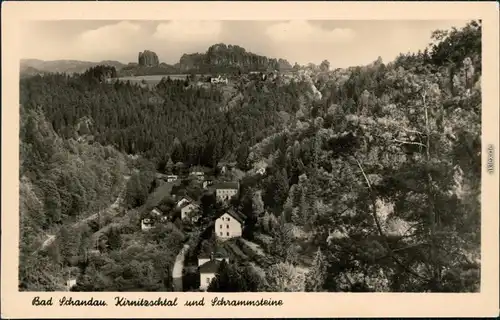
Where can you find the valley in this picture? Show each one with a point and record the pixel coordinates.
(234, 172)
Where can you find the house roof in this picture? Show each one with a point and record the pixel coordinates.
(210, 266)
(227, 185)
(185, 197)
(239, 217)
(217, 254)
(189, 203)
(155, 210)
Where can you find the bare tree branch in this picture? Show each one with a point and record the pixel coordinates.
(410, 142)
(379, 227)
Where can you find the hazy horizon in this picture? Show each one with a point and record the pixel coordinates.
(343, 43)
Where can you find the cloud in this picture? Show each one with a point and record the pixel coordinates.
(298, 31)
(188, 31)
(110, 38)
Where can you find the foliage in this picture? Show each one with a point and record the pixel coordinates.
(234, 278)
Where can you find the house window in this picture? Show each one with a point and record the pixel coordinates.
(221, 234)
(228, 219)
(227, 226)
(221, 226)
(208, 280)
(227, 234)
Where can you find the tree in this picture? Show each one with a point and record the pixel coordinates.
(315, 278)
(284, 277)
(324, 66)
(114, 239)
(169, 166)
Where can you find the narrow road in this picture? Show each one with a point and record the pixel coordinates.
(178, 267)
(115, 205)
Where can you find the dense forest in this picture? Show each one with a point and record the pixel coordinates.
(374, 186)
(187, 124)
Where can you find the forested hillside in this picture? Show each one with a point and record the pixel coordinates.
(372, 183)
(141, 121)
(383, 176)
(61, 182)
(67, 66)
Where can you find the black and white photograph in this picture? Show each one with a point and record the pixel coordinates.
(250, 156)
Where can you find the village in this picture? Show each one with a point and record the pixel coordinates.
(216, 231)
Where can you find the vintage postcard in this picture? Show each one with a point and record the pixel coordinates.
(224, 159)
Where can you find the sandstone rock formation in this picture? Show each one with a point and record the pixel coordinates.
(148, 59)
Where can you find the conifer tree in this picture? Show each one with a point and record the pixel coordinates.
(315, 279)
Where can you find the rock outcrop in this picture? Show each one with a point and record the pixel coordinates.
(148, 59)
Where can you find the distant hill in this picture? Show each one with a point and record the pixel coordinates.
(219, 58)
(34, 66)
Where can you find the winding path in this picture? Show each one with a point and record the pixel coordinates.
(114, 206)
(177, 269)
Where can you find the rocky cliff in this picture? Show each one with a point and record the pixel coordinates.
(148, 59)
(221, 56)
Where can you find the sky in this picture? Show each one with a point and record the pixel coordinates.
(342, 42)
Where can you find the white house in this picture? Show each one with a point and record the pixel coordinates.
(207, 273)
(183, 201)
(147, 224)
(190, 211)
(229, 225)
(224, 191)
(204, 258)
(208, 267)
(219, 79)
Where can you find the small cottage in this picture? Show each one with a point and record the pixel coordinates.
(229, 225)
(204, 258)
(189, 211)
(224, 191)
(207, 273)
(147, 224)
(183, 201)
(208, 267)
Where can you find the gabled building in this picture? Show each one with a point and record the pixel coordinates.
(184, 200)
(224, 191)
(190, 211)
(204, 258)
(208, 267)
(147, 224)
(229, 225)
